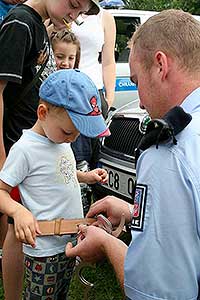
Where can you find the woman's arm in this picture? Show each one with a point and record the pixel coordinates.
(108, 56)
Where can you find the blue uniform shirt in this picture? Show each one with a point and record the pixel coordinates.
(163, 259)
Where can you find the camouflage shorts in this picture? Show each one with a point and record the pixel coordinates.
(48, 278)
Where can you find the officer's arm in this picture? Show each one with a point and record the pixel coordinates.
(95, 244)
(116, 252)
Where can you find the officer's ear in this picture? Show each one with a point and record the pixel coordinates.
(162, 64)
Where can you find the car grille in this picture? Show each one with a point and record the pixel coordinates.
(125, 136)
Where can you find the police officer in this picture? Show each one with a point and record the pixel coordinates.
(163, 258)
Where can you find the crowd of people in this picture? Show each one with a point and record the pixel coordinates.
(54, 98)
(24, 25)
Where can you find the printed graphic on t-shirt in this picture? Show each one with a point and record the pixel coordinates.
(139, 207)
(43, 53)
(66, 170)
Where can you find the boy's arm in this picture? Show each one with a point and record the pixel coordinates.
(7, 205)
(25, 224)
(91, 177)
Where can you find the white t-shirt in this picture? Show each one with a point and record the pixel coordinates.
(91, 37)
(45, 173)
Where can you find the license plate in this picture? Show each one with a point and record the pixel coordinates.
(120, 182)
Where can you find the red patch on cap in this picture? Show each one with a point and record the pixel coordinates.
(95, 109)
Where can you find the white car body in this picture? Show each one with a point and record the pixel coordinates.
(127, 125)
(125, 90)
(117, 152)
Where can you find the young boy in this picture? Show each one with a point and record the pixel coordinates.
(42, 165)
(23, 39)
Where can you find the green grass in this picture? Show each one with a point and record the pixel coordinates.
(105, 286)
(1, 290)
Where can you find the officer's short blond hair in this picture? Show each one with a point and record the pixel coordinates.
(176, 33)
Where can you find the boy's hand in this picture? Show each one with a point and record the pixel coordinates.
(96, 175)
(26, 226)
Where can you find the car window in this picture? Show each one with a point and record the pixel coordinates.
(125, 28)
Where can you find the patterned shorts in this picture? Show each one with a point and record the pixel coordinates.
(48, 278)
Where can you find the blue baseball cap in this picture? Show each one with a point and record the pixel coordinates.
(76, 92)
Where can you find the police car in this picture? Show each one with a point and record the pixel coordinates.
(127, 123)
(117, 152)
(126, 22)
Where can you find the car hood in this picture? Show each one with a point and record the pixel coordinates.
(131, 109)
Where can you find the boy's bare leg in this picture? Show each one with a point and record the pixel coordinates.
(3, 229)
(13, 266)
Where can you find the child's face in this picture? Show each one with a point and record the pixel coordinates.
(65, 55)
(67, 9)
(58, 126)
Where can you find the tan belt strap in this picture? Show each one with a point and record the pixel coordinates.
(62, 226)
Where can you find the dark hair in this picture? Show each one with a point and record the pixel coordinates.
(130, 29)
(67, 37)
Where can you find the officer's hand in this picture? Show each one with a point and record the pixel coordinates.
(112, 207)
(90, 247)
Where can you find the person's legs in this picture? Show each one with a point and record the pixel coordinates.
(12, 265)
(48, 276)
(65, 272)
(3, 229)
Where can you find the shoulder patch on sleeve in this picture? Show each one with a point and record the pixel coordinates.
(139, 207)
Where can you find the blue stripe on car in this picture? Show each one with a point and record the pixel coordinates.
(124, 84)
